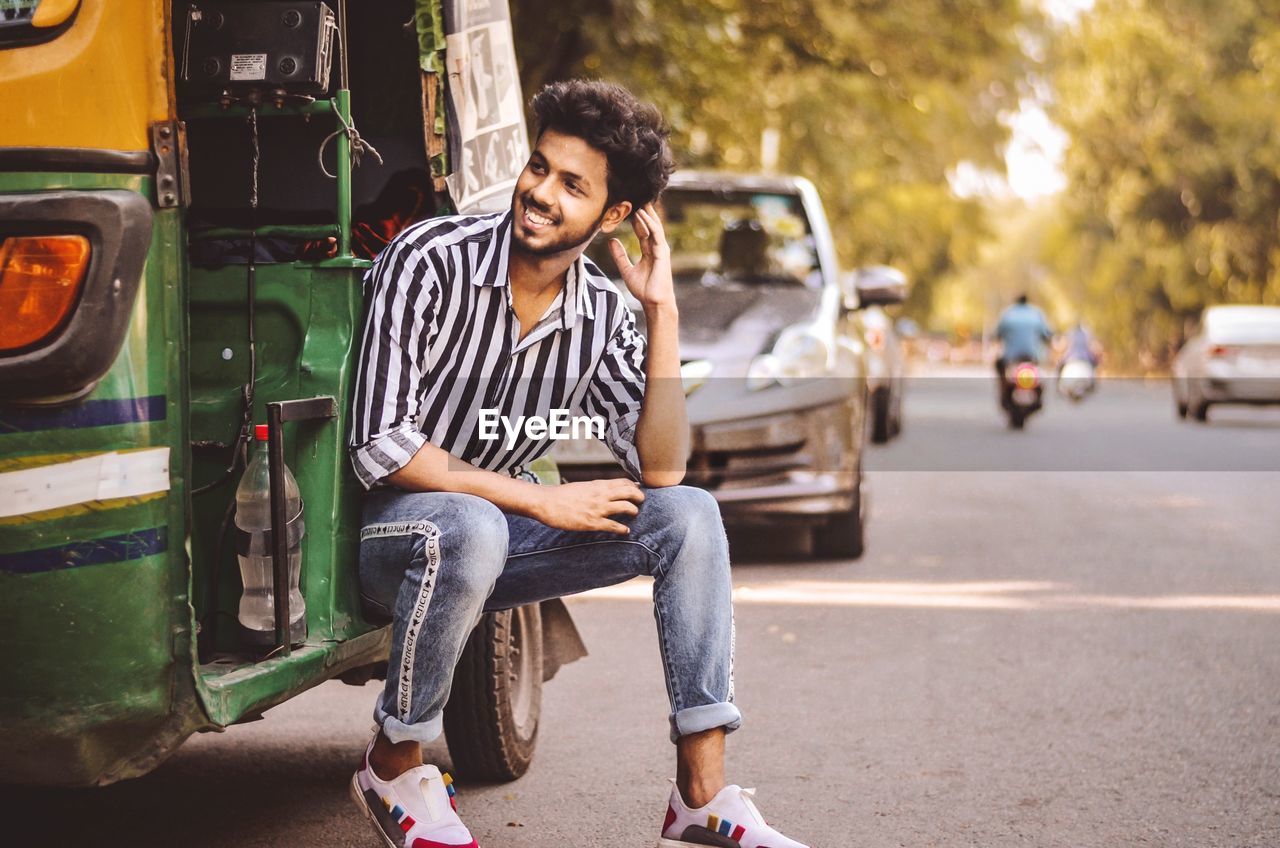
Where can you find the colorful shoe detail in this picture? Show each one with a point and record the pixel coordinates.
(729, 820)
(453, 793)
(415, 810)
(724, 827)
(398, 813)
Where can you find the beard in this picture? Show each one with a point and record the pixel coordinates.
(564, 241)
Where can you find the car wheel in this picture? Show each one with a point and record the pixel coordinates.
(1180, 407)
(881, 430)
(842, 535)
(1199, 411)
(491, 720)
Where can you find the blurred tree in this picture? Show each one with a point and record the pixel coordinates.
(1174, 164)
(875, 101)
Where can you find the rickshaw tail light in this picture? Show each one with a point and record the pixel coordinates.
(40, 281)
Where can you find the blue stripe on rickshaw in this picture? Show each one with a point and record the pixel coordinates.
(90, 413)
(129, 546)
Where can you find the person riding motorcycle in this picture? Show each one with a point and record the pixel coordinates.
(1023, 332)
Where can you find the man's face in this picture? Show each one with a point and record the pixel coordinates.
(561, 196)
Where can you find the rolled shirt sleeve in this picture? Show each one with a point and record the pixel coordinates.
(616, 392)
(402, 292)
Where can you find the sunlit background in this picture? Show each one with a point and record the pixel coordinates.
(1117, 159)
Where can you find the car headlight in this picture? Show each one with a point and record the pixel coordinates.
(799, 354)
(694, 373)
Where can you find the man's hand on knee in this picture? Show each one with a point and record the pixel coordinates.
(588, 505)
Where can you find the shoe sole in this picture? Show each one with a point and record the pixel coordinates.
(358, 796)
(676, 843)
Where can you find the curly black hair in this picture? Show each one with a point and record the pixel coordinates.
(631, 134)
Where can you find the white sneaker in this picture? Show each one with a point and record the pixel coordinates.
(416, 810)
(729, 820)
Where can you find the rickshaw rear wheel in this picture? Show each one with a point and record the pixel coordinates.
(491, 720)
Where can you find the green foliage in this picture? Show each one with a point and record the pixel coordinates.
(875, 101)
(1174, 164)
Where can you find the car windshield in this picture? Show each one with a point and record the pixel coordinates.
(732, 239)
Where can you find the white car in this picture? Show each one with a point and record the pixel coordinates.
(1233, 357)
(774, 356)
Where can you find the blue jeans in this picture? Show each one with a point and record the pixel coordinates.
(435, 561)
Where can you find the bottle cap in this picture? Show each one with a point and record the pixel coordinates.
(260, 432)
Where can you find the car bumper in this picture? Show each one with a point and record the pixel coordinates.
(1237, 389)
(791, 463)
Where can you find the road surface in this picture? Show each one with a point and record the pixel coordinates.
(1060, 637)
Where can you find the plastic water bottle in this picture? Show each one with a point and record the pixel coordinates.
(253, 548)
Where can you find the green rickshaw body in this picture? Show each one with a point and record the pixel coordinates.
(99, 532)
(119, 581)
(94, 612)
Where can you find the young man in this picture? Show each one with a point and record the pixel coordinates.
(472, 318)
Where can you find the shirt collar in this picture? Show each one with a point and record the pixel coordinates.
(577, 288)
(491, 270)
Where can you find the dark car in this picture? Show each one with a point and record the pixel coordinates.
(773, 356)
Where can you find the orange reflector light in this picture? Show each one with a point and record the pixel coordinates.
(1026, 377)
(40, 278)
(52, 13)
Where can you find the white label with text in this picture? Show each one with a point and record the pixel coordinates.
(559, 425)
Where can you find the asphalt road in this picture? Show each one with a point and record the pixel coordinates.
(1060, 637)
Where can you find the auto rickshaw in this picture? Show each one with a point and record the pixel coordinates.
(177, 265)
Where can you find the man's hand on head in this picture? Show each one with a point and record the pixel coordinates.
(649, 280)
(588, 505)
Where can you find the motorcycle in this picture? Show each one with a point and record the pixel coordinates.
(1022, 392)
(1076, 379)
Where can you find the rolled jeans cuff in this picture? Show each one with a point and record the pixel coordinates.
(397, 731)
(708, 716)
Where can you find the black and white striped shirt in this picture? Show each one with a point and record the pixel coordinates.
(441, 343)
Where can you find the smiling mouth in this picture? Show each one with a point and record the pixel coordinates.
(536, 220)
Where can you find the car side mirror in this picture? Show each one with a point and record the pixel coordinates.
(874, 285)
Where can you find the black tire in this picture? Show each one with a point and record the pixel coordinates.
(1017, 418)
(842, 535)
(491, 720)
(1199, 411)
(881, 423)
(1180, 408)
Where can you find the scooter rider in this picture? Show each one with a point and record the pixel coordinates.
(1023, 332)
(1080, 345)
(469, 314)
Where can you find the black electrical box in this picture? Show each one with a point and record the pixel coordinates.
(266, 47)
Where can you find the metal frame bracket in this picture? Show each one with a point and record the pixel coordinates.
(169, 147)
(278, 414)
